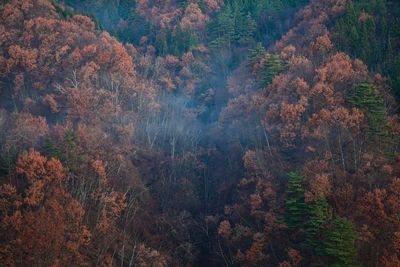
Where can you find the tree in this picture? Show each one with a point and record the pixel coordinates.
(126, 8)
(40, 223)
(161, 43)
(339, 244)
(256, 53)
(246, 29)
(272, 67)
(368, 99)
(295, 207)
(318, 217)
(222, 30)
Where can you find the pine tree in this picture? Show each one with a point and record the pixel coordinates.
(239, 19)
(256, 54)
(161, 43)
(368, 99)
(247, 29)
(126, 7)
(189, 39)
(273, 66)
(318, 216)
(339, 244)
(222, 30)
(182, 41)
(347, 27)
(296, 208)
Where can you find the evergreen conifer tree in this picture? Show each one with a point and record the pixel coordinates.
(339, 244)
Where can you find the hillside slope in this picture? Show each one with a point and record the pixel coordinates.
(199, 133)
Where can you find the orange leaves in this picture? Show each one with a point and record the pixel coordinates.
(389, 260)
(250, 161)
(50, 101)
(115, 202)
(323, 89)
(31, 165)
(294, 256)
(256, 205)
(19, 83)
(24, 58)
(214, 5)
(255, 202)
(39, 173)
(85, 236)
(302, 87)
(291, 116)
(60, 53)
(323, 44)
(55, 171)
(322, 123)
(193, 17)
(48, 52)
(90, 72)
(8, 199)
(147, 256)
(89, 50)
(290, 113)
(396, 241)
(35, 193)
(113, 205)
(337, 69)
(344, 119)
(84, 22)
(224, 229)
(167, 82)
(319, 187)
(172, 61)
(91, 106)
(255, 253)
(364, 17)
(49, 228)
(112, 56)
(287, 52)
(100, 169)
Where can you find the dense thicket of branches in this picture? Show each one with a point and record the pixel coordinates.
(199, 133)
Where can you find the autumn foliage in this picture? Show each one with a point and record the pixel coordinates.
(199, 133)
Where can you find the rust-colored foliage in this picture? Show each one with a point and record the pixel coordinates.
(117, 155)
(41, 224)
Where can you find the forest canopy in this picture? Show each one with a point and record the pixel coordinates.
(199, 133)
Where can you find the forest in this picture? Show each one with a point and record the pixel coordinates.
(200, 133)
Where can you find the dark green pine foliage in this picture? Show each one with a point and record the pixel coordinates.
(318, 217)
(295, 207)
(273, 66)
(182, 41)
(370, 31)
(169, 43)
(268, 13)
(222, 29)
(137, 27)
(339, 244)
(367, 98)
(307, 219)
(244, 25)
(161, 43)
(126, 8)
(256, 54)
(67, 152)
(245, 30)
(8, 159)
